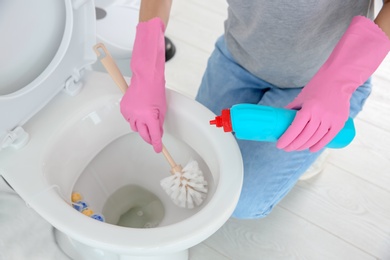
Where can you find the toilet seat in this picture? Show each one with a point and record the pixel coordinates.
(35, 66)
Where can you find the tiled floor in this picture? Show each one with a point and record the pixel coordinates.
(343, 213)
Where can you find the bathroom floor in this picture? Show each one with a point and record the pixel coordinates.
(343, 213)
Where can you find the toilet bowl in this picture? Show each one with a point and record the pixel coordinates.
(61, 132)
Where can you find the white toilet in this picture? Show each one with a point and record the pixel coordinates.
(61, 132)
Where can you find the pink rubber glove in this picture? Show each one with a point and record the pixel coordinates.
(144, 103)
(325, 101)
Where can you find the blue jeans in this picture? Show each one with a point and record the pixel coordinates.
(269, 173)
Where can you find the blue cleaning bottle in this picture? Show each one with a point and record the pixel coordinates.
(264, 123)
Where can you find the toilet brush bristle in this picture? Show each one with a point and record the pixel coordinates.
(187, 188)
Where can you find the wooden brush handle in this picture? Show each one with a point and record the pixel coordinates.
(168, 156)
(174, 167)
(110, 65)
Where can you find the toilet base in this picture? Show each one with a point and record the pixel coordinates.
(78, 251)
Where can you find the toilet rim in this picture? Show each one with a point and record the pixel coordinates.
(174, 237)
(165, 239)
(47, 201)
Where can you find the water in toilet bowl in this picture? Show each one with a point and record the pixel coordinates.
(133, 206)
(123, 183)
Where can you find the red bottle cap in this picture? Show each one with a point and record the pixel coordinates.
(223, 121)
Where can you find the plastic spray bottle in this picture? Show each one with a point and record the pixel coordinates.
(264, 123)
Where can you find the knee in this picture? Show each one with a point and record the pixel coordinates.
(252, 210)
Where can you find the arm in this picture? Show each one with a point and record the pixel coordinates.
(324, 102)
(144, 103)
(383, 18)
(155, 8)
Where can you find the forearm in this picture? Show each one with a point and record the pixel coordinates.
(383, 18)
(155, 8)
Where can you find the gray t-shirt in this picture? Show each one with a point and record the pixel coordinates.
(285, 42)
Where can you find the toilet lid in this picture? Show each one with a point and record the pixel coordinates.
(45, 45)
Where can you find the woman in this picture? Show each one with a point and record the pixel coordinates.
(313, 56)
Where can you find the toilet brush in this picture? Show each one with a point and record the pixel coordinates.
(186, 186)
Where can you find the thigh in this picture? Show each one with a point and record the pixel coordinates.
(359, 98)
(270, 173)
(225, 83)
